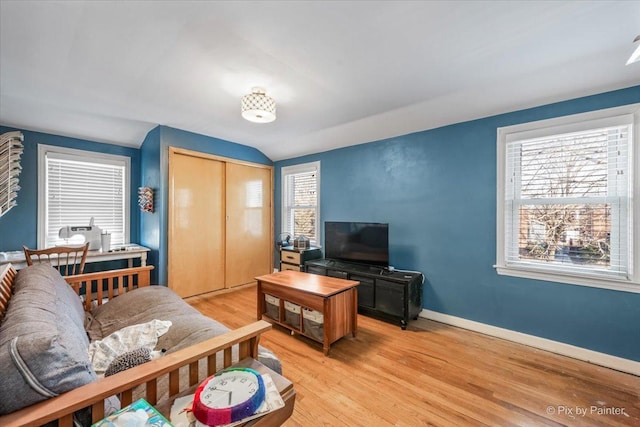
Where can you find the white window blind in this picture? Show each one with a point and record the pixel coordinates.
(79, 185)
(565, 199)
(300, 200)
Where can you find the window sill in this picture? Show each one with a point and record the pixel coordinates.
(594, 282)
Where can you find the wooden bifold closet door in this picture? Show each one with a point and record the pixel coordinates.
(220, 222)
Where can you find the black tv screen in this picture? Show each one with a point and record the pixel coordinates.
(363, 242)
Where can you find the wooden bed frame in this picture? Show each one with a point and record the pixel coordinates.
(61, 408)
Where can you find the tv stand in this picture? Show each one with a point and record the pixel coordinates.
(390, 295)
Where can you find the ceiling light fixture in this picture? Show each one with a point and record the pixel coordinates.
(257, 107)
(635, 56)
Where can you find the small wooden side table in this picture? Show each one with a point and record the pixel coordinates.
(335, 298)
(294, 259)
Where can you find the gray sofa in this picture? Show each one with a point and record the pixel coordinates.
(44, 343)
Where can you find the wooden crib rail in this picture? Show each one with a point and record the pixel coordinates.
(61, 408)
(103, 286)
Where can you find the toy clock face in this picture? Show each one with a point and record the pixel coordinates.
(228, 396)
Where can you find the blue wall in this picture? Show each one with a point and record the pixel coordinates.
(150, 221)
(155, 161)
(19, 226)
(437, 190)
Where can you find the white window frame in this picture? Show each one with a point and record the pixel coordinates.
(560, 125)
(81, 156)
(293, 170)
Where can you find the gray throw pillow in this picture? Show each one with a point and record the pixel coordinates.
(131, 359)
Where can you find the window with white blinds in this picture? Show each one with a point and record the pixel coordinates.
(77, 185)
(301, 200)
(566, 200)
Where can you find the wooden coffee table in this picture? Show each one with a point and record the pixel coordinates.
(335, 298)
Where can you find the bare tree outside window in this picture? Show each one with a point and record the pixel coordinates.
(565, 215)
(300, 200)
(304, 194)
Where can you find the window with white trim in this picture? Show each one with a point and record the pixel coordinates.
(565, 206)
(301, 200)
(75, 186)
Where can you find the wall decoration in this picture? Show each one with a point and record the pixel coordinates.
(10, 152)
(145, 199)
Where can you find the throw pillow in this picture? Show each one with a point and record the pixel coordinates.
(131, 359)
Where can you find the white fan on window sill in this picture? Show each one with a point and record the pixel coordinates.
(283, 239)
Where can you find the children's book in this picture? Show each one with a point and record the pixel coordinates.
(139, 414)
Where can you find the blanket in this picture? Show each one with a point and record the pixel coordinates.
(102, 352)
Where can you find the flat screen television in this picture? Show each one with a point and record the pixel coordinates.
(362, 242)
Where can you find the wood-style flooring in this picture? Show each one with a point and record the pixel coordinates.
(434, 374)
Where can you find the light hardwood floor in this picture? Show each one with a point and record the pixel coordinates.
(434, 374)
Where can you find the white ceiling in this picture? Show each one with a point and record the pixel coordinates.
(342, 73)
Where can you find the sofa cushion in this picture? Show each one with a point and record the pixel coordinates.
(189, 326)
(43, 345)
(143, 305)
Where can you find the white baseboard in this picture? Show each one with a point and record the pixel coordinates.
(595, 357)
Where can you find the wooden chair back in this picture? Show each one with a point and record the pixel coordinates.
(7, 276)
(68, 259)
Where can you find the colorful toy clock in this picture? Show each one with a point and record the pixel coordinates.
(229, 396)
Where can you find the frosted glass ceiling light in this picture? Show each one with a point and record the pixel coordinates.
(635, 56)
(257, 107)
